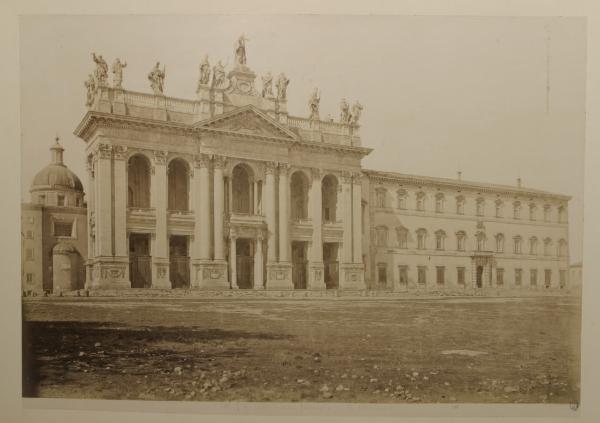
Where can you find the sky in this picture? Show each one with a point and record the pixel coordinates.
(496, 98)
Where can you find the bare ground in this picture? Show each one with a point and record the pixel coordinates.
(473, 350)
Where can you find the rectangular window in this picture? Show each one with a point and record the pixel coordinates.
(403, 278)
(499, 277)
(29, 235)
(518, 277)
(61, 200)
(422, 276)
(30, 277)
(440, 275)
(547, 278)
(382, 274)
(41, 199)
(563, 278)
(533, 277)
(460, 276)
(29, 254)
(63, 229)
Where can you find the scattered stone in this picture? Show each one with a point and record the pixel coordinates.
(344, 376)
(353, 376)
(81, 353)
(327, 395)
(339, 388)
(509, 389)
(373, 380)
(415, 374)
(177, 370)
(97, 344)
(469, 353)
(375, 367)
(452, 399)
(324, 388)
(447, 383)
(425, 378)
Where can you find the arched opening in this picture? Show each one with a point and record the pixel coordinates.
(179, 184)
(329, 190)
(138, 182)
(299, 195)
(242, 189)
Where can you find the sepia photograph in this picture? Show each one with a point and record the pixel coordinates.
(345, 209)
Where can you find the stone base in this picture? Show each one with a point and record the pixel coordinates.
(109, 273)
(160, 273)
(210, 275)
(279, 276)
(316, 274)
(352, 276)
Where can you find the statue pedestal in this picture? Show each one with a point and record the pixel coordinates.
(242, 80)
(118, 106)
(160, 107)
(109, 273)
(279, 276)
(210, 275)
(352, 276)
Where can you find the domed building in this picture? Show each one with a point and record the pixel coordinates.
(54, 230)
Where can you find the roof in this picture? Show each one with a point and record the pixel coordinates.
(56, 177)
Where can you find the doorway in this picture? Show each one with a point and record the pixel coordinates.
(244, 263)
(179, 261)
(299, 264)
(479, 275)
(140, 262)
(330, 260)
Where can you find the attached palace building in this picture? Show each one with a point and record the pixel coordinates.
(229, 191)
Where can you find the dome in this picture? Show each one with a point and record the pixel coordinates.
(56, 176)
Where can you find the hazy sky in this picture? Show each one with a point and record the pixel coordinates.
(495, 97)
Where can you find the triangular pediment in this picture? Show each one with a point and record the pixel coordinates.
(248, 120)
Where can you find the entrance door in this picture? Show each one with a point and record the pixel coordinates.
(330, 254)
(403, 277)
(479, 276)
(140, 262)
(179, 262)
(299, 264)
(244, 264)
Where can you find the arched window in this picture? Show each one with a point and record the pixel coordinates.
(547, 246)
(562, 248)
(382, 236)
(533, 242)
(562, 214)
(420, 201)
(460, 205)
(499, 243)
(421, 239)
(499, 208)
(179, 184)
(380, 197)
(138, 182)
(402, 234)
(480, 206)
(547, 211)
(242, 189)
(481, 238)
(517, 240)
(299, 195)
(461, 237)
(329, 192)
(401, 195)
(517, 210)
(440, 237)
(532, 211)
(439, 202)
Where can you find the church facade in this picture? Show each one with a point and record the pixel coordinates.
(230, 191)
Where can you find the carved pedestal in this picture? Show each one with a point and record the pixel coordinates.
(109, 273)
(352, 276)
(160, 108)
(316, 273)
(210, 275)
(279, 276)
(160, 273)
(118, 105)
(103, 103)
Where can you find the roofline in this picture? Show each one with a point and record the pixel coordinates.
(453, 183)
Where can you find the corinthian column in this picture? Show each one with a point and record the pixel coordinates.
(284, 218)
(357, 218)
(202, 206)
(219, 198)
(346, 199)
(120, 200)
(104, 206)
(269, 205)
(316, 258)
(160, 249)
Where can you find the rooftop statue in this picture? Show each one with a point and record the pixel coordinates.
(282, 84)
(90, 84)
(204, 72)
(313, 103)
(267, 80)
(240, 50)
(344, 111)
(157, 79)
(117, 69)
(219, 75)
(101, 72)
(356, 112)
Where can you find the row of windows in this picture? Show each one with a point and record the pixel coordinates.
(60, 200)
(480, 205)
(402, 238)
(440, 276)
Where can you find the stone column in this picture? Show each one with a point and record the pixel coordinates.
(201, 206)
(120, 198)
(104, 205)
(91, 222)
(258, 264)
(316, 267)
(357, 218)
(346, 199)
(255, 196)
(219, 199)
(233, 262)
(160, 250)
(269, 205)
(284, 215)
(351, 273)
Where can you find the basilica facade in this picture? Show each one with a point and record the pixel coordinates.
(230, 191)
